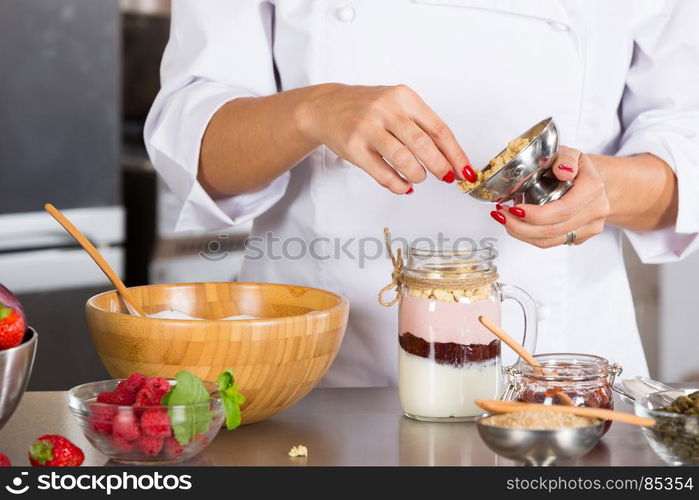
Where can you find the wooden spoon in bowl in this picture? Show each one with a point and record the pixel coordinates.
(497, 406)
(97, 257)
(522, 352)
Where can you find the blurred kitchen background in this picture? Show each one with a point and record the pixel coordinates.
(78, 78)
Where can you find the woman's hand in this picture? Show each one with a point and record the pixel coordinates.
(389, 132)
(583, 209)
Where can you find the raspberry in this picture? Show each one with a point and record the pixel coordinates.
(5, 461)
(114, 398)
(150, 445)
(123, 398)
(132, 384)
(155, 422)
(158, 385)
(146, 397)
(202, 440)
(172, 448)
(102, 417)
(105, 397)
(118, 443)
(125, 425)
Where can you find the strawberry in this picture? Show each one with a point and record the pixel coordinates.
(52, 450)
(125, 424)
(13, 321)
(118, 443)
(155, 422)
(12, 327)
(5, 461)
(150, 445)
(172, 448)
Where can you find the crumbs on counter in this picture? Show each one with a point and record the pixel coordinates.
(298, 451)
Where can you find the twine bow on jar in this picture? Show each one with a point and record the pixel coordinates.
(464, 275)
(397, 274)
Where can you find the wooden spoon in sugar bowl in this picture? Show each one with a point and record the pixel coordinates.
(96, 256)
(496, 406)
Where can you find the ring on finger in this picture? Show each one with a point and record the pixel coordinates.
(570, 238)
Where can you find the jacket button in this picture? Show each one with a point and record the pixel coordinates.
(345, 14)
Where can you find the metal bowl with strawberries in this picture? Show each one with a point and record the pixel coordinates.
(18, 343)
(147, 420)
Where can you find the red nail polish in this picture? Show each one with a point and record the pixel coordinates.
(449, 177)
(519, 212)
(498, 217)
(567, 168)
(498, 206)
(469, 174)
(410, 191)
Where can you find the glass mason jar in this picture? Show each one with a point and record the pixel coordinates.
(447, 358)
(586, 380)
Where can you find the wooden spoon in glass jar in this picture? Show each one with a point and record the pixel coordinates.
(496, 406)
(522, 352)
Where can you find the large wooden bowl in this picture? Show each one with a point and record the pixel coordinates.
(276, 360)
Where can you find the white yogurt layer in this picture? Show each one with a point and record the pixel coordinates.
(431, 390)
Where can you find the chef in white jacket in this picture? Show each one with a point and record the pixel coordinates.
(309, 118)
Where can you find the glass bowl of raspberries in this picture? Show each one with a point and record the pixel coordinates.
(147, 420)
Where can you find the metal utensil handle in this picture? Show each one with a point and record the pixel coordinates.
(515, 385)
(528, 309)
(614, 371)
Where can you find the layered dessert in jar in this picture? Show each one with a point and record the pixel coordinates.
(447, 358)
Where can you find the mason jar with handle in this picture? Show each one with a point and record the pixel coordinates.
(447, 359)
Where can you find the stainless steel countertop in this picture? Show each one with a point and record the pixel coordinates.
(339, 427)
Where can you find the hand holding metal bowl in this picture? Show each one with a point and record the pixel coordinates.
(527, 178)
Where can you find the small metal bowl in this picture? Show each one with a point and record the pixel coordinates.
(528, 178)
(540, 447)
(15, 368)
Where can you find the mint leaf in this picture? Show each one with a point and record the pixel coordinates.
(194, 418)
(231, 398)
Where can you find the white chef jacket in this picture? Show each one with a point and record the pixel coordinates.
(619, 78)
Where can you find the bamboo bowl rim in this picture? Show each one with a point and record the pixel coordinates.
(343, 303)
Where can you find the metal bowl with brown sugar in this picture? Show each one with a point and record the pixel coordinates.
(527, 178)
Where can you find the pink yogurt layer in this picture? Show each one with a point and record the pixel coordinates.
(437, 321)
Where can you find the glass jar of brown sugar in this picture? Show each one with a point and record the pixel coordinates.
(564, 378)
